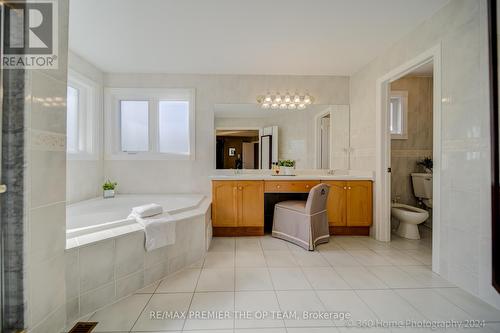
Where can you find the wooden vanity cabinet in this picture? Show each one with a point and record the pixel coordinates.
(350, 206)
(238, 208)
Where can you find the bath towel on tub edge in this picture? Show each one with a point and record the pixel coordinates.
(159, 230)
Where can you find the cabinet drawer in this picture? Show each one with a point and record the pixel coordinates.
(287, 186)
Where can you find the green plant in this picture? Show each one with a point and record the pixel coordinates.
(426, 163)
(109, 185)
(286, 163)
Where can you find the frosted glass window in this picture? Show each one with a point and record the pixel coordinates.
(174, 127)
(134, 124)
(396, 125)
(72, 123)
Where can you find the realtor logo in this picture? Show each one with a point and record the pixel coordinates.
(30, 34)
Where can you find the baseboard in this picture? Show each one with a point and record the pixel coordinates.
(352, 231)
(237, 231)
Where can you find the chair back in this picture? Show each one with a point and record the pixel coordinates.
(316, 201)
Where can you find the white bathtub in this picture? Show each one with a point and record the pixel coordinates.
(98, 214)
(105, 255)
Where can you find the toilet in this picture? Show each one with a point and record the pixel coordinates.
(410, 217)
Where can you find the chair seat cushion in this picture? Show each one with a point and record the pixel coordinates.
(296, 205)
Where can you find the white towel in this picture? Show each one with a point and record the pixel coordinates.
(147, 210)
(159, 230)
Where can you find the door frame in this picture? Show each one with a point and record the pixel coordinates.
(382, 188)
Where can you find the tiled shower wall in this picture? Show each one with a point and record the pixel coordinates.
(405, 153)
(45, 195)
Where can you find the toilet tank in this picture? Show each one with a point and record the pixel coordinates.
(422, 185)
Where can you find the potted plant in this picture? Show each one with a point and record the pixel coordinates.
(287, 167)
(426, 163)
(109, 189)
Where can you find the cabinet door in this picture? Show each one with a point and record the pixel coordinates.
(336, 204)
(250, 203)
(224, 203)
(359, 203)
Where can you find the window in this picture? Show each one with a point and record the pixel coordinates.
(174, 127)
(81, 117)
(398, 113)
(72, 120)
(149, 123)
(134, 126)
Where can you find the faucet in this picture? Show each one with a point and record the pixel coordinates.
(331, 172)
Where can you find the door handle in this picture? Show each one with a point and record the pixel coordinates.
(3, 188)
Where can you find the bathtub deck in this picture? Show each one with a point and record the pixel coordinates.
(98, 210)
(98, 219)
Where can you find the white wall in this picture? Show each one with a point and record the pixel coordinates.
(460, 27)
(192, 176)
(85, 177)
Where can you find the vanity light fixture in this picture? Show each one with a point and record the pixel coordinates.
(285, 102)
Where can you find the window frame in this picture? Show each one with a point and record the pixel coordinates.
(88, 117)
(403, 96)
(112, 134)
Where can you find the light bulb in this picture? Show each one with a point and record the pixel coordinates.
(296, 99)
(301, 106)
(268, 99)
(283, 106)
(307, 99)
(277, 99)
(292, 106)
(274, 106)
(287, 98)
(265, 105)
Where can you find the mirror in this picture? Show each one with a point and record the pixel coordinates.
(249, 137)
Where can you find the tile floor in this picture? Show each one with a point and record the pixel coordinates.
(366, 278)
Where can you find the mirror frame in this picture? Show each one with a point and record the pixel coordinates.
(495, 148)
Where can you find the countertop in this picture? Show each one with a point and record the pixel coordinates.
(255, 176)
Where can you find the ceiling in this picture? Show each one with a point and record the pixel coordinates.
(295, 37)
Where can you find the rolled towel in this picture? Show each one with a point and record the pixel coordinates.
(147, 210)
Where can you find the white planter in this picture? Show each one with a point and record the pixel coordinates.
(288, 171)
(108, 194)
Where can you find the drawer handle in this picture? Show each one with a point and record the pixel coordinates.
(307, 186)
(278, 186)
(241, 188)
(349, 188)
(345, 188)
